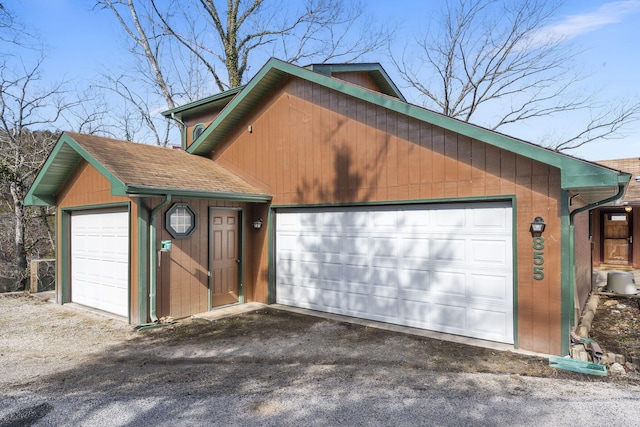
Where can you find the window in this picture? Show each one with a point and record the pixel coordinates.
(197, 130)
(180, 221)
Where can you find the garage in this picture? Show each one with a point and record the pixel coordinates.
(100, 260)
(446, 268)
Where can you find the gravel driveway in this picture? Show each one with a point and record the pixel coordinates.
(62, 366)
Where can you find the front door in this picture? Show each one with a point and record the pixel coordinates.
(225, 257)
(616, 237)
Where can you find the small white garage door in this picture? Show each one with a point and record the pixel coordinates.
(446, 268)
(100, 260)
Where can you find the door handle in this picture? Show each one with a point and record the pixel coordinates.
(238, 261)
(630, 240)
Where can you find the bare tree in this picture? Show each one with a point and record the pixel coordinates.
(184, 51)
(22, 152)
(489, 62)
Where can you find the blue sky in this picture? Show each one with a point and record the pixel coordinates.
(81, 43)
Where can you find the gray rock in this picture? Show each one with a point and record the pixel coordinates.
(617, 369)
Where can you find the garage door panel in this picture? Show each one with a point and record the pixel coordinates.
(383, 308)
(491, 288)
(453, 219)
(416, 313)
(489, 252)
(489, 324)
(414, 279)
(414, 248)
(448, 283)
(441, 276)
(449, 318)
(448, 250)
(356, 304)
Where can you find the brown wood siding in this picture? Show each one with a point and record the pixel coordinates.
(358, 78)
(311, 145)
(582, 262)
(182, 277)
(204, 118)
(86, 187)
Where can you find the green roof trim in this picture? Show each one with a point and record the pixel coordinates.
(62, 160)
(221, 98)
(374, 70)
(66, 155)
(135, 190)
(593, 181)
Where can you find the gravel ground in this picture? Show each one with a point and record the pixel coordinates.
(62, 366)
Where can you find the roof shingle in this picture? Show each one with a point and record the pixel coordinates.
(149, 166)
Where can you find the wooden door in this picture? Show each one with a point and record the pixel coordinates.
(616, 238)
(225, 256)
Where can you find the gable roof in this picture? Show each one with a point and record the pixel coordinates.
(374, 70)
(632, 166)
(592, 181)
(205, 104)
(138, 170)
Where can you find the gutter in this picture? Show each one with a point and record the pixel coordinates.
(571, 261)
(153, 258)
(183, 132)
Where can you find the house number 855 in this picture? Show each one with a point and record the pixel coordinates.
(538, 258)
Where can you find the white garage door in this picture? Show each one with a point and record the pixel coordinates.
(445, 268)
(100, 260)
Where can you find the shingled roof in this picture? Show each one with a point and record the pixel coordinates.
(138, 169)
(632, 166)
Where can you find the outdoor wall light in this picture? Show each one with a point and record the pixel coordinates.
(537, 227)
(257, 224)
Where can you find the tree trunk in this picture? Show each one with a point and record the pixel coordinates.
(21, 253)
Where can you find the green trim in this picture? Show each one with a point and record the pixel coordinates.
(374, 70)
(129, 264)
(566, 275)
(514, 249)
(153, 261)
(242, 255)
(143, 262)
(498, 198)
(63, 159)
(194, 107)
(96, 206)
(64, 256)
(133, 190)
(271, 260)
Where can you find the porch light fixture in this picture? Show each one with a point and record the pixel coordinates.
(257, 224)
(537, 226)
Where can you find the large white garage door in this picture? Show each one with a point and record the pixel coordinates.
(100, 260)
(445, 268)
